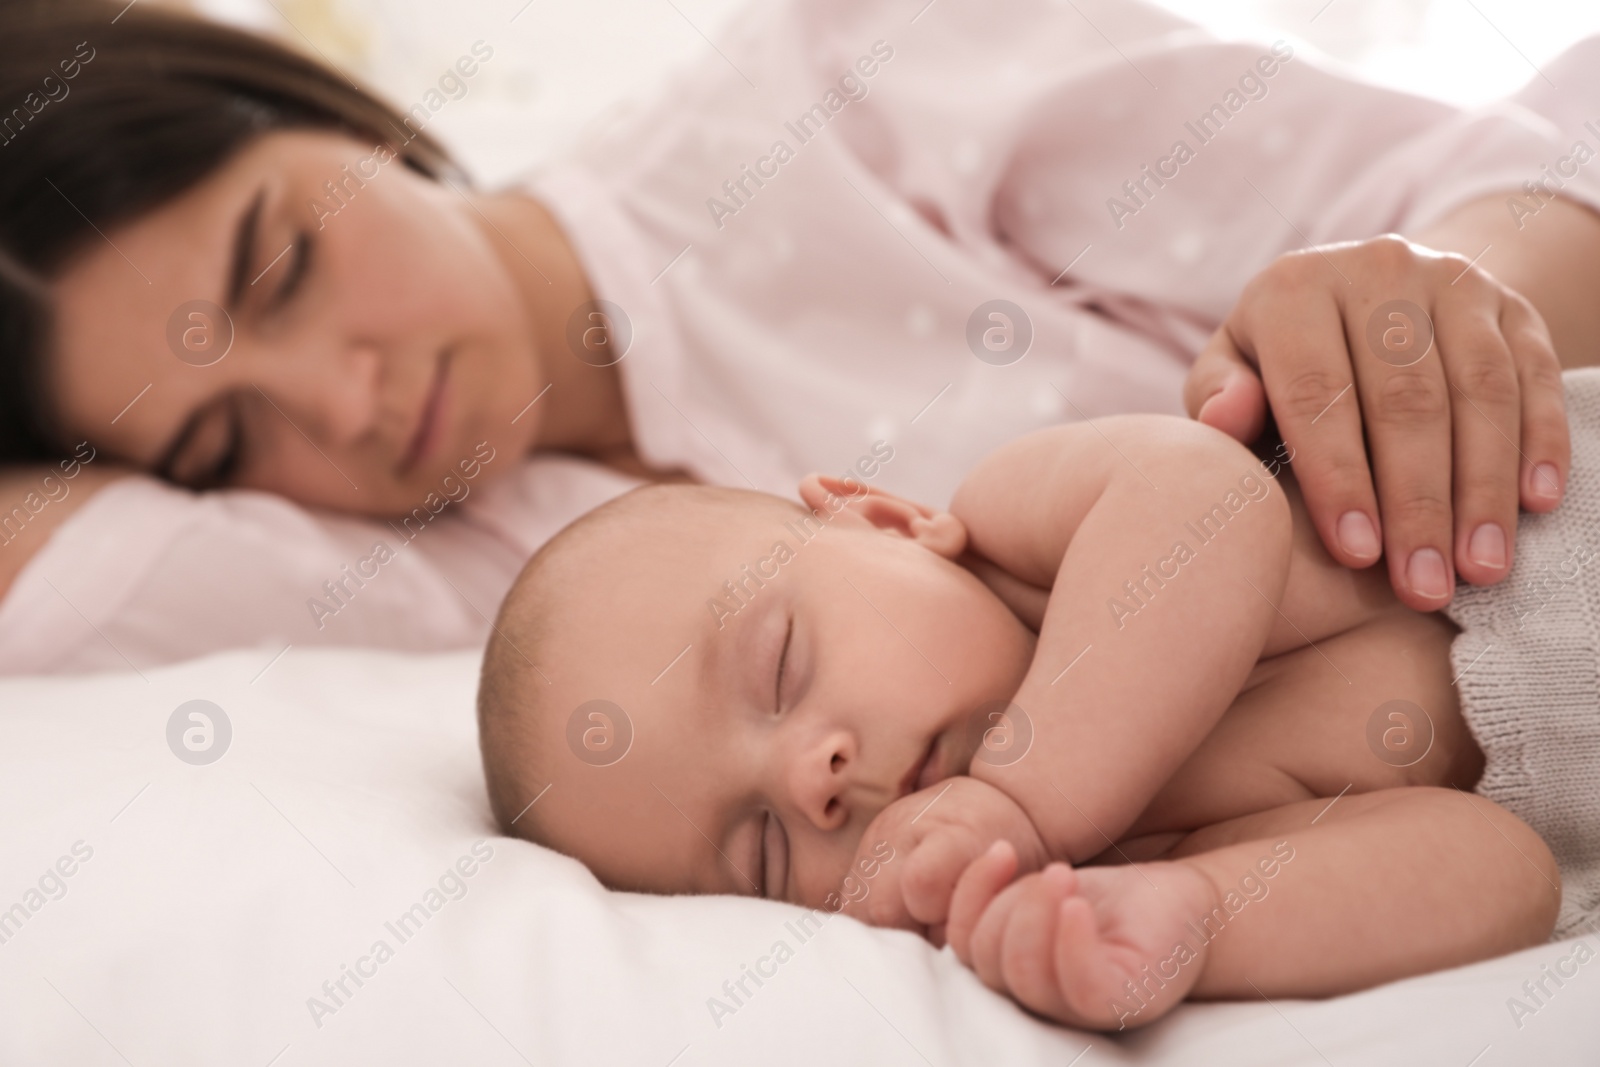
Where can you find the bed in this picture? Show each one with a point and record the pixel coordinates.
(215, 889)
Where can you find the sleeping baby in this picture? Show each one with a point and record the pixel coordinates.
(1114, 727)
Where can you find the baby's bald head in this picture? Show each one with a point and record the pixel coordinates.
(637, 534)
(706, 690)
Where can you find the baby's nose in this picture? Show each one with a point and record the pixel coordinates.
(819, 779)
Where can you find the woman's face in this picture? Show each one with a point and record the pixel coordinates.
(376, 336)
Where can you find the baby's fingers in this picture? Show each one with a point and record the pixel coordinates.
(977, 887)
(884, 903)
(1085, 976)
(1028, 958)
(931, 871)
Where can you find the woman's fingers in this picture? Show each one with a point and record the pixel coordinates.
(977, 887)
(1446, 379)
(1224, 391)
(1486, 410)
(1406, 408)
(1546, 446)
(1296, 334)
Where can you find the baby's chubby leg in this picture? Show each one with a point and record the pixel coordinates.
(1380, 886)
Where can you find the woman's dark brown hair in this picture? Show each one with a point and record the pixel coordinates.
(107, 111)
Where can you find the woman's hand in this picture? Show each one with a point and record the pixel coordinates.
(1095, 947)
(936, 833)
(1443, 376)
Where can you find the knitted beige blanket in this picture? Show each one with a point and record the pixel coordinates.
(1528, 660)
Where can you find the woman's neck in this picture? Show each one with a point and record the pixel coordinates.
(583, 411)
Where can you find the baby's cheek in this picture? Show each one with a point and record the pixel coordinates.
(853, 889)
(828, 879)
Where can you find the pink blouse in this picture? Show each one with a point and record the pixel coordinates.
(857, 236)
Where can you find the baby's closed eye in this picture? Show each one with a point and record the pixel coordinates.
(774, 860)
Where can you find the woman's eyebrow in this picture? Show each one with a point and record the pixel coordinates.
(244, 249)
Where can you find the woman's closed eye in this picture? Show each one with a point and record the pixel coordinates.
(209, 451)
(295, 275)
(292, 264)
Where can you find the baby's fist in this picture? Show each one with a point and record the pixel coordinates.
(1086, 947)
(935, 834)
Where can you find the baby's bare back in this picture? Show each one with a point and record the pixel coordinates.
(1352, 693)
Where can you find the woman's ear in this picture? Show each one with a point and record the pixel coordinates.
(837, 498)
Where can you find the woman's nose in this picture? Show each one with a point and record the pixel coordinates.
(820, 776)
(336, 392)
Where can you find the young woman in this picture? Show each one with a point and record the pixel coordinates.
(849, 239)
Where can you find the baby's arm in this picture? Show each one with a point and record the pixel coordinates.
(1144, 644)
(1383, 885)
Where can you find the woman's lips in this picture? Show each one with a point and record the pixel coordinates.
(430, 420)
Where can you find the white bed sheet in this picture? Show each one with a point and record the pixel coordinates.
(216, 900)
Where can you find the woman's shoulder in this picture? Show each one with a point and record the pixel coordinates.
(37, 500)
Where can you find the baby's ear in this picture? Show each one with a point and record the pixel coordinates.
(938, 531)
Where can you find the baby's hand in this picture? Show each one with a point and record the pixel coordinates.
(1094, 947)
(936, 834)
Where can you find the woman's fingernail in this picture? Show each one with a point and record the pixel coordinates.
(1426, 574)
(1357, 535)
(1487, 548)
(1546, 481)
